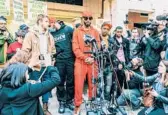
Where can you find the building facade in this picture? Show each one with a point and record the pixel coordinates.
(138, 11)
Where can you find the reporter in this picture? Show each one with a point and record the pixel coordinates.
(159, 85)
(18, 96)
(134, 90)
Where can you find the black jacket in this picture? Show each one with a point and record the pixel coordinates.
(114, 46)
(134, 52)
(152, 47)
(134, 83)
(25, 99)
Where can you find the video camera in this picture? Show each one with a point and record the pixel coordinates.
(162, 17)
(152, 25)
(131, 66)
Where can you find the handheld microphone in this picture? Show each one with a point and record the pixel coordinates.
(103, 44)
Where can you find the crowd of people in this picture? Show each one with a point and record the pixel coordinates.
(52, 54)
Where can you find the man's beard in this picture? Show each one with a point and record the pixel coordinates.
(3, 29)
(104, 34)
(118, 36)
(87, 25)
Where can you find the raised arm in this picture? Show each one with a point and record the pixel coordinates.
(148, 79)
(38, 89)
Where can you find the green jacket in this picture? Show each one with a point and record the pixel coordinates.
(3, 40)
(25, 99)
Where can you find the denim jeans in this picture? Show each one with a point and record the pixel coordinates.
(108, 82)
(35, 76)
(130, 95)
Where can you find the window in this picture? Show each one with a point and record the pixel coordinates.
(72, 2)
(144, 14)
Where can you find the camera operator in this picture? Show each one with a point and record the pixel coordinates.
(164, 29)
(120, 46)
(37, 49)
(84, 62)
(159, 82)
(5, 40)
(153, 45)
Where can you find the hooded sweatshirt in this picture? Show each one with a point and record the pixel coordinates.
(63, 41)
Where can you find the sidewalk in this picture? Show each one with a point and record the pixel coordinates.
(53, 107)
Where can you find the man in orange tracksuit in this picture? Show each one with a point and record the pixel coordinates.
(84, 62)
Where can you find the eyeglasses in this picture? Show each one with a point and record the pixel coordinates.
(86, 18)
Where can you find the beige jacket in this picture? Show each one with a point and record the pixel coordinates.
(30, 51)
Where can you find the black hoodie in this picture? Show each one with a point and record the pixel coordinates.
(63, 41)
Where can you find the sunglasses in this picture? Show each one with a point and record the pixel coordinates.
(86, 18)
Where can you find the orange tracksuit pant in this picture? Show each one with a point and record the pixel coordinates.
(83, 70)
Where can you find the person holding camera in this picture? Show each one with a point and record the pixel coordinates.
(152, 44)
(84, 61)
(18, 95)
(120, 47)
(158, 91)
(16, 46)
(5, 40)
(37, 49)
(65, 64)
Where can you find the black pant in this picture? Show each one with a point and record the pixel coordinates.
(122, 80)
(66, 71)
(157, 111)
(149, 72)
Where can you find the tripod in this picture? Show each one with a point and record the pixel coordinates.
(97, 103)
(114, 107)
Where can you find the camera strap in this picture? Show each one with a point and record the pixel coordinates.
(42, 74)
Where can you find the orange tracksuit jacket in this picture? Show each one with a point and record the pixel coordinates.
(81, 68)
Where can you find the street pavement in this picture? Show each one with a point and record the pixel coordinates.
(53, 107)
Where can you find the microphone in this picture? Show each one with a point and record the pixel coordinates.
(103, 44)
